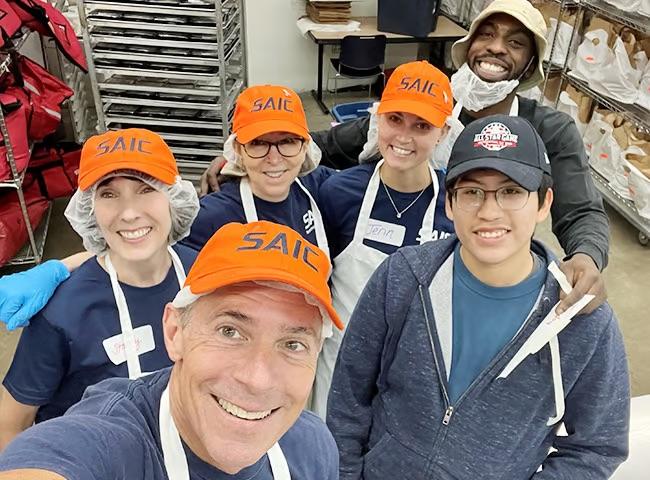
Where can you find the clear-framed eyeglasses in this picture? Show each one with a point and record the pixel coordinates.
(508, 198)
(287, 147)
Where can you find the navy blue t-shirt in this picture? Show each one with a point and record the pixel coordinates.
(61, 352)
(485, 319)
(340, 201)
(225, 206)
(113, 433)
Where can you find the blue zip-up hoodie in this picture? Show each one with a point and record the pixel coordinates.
(389, 411)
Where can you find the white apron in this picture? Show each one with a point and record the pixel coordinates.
(251, 213)
(128, 336)
(352, 270)
(443, 150)
(174, 455)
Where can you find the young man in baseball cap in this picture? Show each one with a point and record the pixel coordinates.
(244, 334)
(375, 208)
(455, 365)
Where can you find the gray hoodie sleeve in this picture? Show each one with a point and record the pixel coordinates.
(596, 416)
(349, 407)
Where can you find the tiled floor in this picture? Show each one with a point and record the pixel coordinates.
(627, 276)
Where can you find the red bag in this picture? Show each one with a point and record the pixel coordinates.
(13, 232)
(9, 22)
(15, 113)
(47, 20)
(46, 94)
(55, 171)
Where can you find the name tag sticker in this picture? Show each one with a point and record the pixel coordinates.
(385, 232)
(144, 343)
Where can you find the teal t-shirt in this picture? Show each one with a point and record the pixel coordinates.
(485, 319)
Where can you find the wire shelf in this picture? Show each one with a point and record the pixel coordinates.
(622, 205)
(632, 20)
(633, 113)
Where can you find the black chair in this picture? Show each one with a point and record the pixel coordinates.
(360, 57)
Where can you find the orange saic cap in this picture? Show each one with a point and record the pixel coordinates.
(268, 108)
(129, 149)
(421, 89)
(259, 251)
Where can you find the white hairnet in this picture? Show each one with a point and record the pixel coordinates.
(371, 147)
(183, 206)
(234, 165)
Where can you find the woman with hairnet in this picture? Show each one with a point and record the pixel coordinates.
(131, 208)
(269, 149)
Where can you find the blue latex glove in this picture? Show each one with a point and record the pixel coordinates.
(24, 294)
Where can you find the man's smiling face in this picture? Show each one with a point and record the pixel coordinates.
(245, 359)
(501, 49)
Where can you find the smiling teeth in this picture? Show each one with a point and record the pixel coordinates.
(274, 174)
(135, 234)
(401, 151)
(492, 67)
(494, 234)
(238, 412)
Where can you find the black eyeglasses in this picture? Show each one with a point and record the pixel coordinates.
(508, 198)
(287, 147)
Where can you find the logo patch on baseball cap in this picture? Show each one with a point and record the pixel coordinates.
(495, 137)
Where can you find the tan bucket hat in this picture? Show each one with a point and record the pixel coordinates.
(528, 15)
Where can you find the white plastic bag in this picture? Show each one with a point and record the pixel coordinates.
(592, 132)
(567, 105)
(593, 54)
(638, 186)
(626, 5)
(643, 92)
(605, 152)
(562, 41)
(617, 78)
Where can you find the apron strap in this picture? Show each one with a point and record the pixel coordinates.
(366, 206)
(178, 266)
(170, 441)
(128, 337)
(279, 465)
(321, 236)
(247, 200)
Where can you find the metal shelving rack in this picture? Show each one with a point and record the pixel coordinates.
(549, 67)
(173, 66)
(635, 114)
(32, 252)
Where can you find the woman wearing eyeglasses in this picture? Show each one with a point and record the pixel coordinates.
(269, 149)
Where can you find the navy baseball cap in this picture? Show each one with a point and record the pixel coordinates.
(509, 145)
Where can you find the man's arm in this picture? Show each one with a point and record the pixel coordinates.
(579, 219)
(77, 447)
(15, 417)
(349, 407)
(342, 144)
(596, 416)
